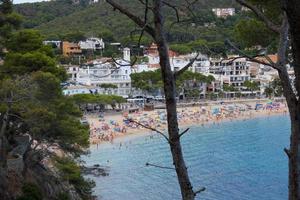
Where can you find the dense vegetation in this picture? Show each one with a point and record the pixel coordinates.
(36, 118)
(63, 20)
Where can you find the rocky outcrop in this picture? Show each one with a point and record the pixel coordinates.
(96, 170)
(18, 172)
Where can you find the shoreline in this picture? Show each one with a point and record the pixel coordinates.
(146, 132)
(190, 116)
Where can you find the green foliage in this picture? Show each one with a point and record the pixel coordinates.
(189, 83)
(270, 8)
(210, 48)
(46, 114)
(276, 85)
(212, 96)
(111, 51)
(252, 32)
(228, 88)
(30, 192)
(57, 18)
(151, 81)
(9, 21)
(25, 41)
(108, 85)
(269, 91)
(193, 76)
(27, 54)
(134, 39)
(80, 99)
(198, 45)
(194, 93)
(107, 35)
(38, 13)
(251, 85)
(32, 76)
(141, 59)
(73, 36)
(70, 172)
(181, 48)
(63, 196)
(148, 81)
(31, 94)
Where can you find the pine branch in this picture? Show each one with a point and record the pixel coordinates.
(251, 58)
(150, 128)
(273, 27)
(199, 190)
(153, 165)
(150, 30)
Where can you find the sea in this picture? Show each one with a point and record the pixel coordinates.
(238, 160)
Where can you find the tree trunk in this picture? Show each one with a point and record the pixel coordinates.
(293, 153)
(3, 141)
(292, 8)
(3, 157)
(170, 91)
(294, 158)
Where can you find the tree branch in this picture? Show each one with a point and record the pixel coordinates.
(283, 42)
(116, 68)
(251, 58)
(199, 190)
(153, 165)
(231, 59)
(273, 27)
(185, 131)
(150, 30)
(150, 128)
(288, 152)
(174, 8)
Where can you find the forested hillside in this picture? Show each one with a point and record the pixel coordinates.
(56, 19)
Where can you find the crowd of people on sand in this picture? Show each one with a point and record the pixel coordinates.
(106, 128)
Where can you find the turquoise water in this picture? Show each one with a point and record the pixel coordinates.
(233, 160)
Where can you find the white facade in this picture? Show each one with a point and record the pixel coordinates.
(107, 73)
(233, 73)
(200, 65)
(103, 71)
(126, 54)
(55, 43)
(143, 67)
(224, 12)
(94, 44)
(79, 89)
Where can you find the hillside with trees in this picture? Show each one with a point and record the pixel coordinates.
(59, 19)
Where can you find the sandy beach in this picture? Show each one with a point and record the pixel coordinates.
(107, 127)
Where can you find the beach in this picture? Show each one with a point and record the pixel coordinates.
(106, 127)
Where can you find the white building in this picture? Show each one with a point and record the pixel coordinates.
(80, 89)
(177, 62)
(105, 71)
(224, 12)
(53, 43)
(201, 64)
(233, 73)
(94, 44)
